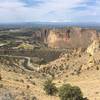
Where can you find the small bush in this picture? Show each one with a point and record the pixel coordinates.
(0, 77)
(1, 85)
(34, 98)
(68, 92)
(97, 68)
(50, 87)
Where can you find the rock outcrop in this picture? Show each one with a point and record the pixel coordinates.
(94, 51)
(71, 38)
(94, 47)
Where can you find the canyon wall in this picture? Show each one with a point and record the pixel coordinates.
(70, 37)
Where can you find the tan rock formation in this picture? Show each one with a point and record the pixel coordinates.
(71, 38)
(92, 50)
(52, 39)
(94, 47)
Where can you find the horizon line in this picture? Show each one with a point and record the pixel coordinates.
(46, 22)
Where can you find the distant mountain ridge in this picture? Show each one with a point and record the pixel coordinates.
(50, 25)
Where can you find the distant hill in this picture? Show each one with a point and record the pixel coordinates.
(49, 25)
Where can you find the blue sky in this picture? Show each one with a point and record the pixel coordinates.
(49, 10)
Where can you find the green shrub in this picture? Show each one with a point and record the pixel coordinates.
(68, 92)
(50, 87)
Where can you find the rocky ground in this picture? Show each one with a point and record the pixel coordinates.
(80, 68)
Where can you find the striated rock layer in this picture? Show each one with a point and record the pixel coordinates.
(71, 38)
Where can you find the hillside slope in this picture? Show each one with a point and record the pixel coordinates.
(76, 67)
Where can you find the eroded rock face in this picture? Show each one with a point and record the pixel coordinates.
(94, 47)
(94, 51)
(71, 38)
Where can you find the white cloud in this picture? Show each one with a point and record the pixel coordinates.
(50, 10)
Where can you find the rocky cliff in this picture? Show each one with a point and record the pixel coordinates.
(71, 38)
